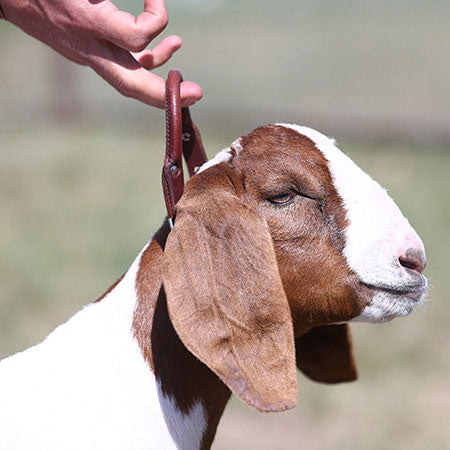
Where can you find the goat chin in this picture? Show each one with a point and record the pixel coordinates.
(279, 241)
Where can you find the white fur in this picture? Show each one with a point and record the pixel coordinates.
(236, 145)
(224, 155)
(185, 430)
(377, 234)
(87, 386)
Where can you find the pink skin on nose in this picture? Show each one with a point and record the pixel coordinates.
(412, 255)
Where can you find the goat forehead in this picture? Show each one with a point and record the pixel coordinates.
(359, 192)
(345, 173)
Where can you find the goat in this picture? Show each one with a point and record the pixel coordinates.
(278, 243)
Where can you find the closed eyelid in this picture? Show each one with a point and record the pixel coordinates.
(279, 190)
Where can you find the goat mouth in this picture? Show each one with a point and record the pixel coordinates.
(412, 291)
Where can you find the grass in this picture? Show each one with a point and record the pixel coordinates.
(77, 206)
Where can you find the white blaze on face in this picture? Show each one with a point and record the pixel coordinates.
(376, 236)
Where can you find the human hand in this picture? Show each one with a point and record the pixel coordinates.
(97, 34)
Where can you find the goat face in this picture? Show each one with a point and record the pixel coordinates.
(279, 234)
(340, 239)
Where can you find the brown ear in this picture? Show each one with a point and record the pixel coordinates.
(224, 293)
(325, 354)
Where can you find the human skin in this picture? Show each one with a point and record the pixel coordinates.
(97, 34)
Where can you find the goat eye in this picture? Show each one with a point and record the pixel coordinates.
(283, 198)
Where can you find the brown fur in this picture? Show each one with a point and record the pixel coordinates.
(244, 277)
(225, 295)
(182, 376)
(324, 354)
(148, 286)
(309, 234)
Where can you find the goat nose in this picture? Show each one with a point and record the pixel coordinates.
(413, 259)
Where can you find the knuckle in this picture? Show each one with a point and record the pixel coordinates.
(145, 33)
(138, 44)
(160, 22)
(163, 20)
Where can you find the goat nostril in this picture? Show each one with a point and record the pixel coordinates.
(413, 260)
(409, 264)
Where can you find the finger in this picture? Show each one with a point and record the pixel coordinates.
(190, 93)
(122, 71)
(150, 59)
(123, 29)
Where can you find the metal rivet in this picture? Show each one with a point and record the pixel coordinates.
(173, 169)
(186, 137)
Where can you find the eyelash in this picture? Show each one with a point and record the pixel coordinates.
(275, 199)
(291, 194)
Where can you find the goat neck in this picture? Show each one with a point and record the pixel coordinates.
(183, 382)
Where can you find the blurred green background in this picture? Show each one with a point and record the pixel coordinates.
(80, 184)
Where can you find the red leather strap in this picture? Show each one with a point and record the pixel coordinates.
(182, 138)
(172, 173)
(193, 151)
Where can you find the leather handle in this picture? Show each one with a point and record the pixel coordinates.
(182, 138)
(172, 174)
